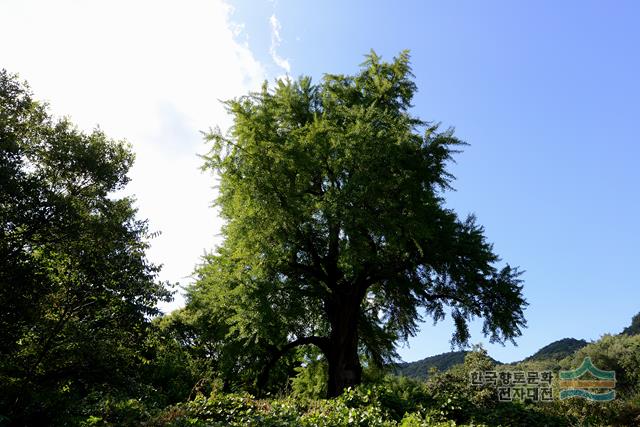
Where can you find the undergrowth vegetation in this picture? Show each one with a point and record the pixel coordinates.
(445, 399)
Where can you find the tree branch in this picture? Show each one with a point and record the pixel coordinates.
(321, 342)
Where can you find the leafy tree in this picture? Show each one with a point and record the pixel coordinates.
(336, 230)
(204, 329)
(619, 353)
(634, 327)
(76, 290)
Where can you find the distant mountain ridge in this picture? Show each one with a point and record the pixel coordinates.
(442, 362)
(420, 369)
(558, 349)
(555, 351)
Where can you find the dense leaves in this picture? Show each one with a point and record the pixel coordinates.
(447, 399)
(634, 327)
(336, 231)
(76, 290)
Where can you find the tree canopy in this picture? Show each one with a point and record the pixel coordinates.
(337, 234)
(76, 289)
(634, 327)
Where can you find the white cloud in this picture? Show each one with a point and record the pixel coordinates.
(151, 72)
(276, 39)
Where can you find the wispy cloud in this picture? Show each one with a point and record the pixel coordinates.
(276, 39)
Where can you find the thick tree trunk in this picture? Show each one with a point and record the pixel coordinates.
(342, 352)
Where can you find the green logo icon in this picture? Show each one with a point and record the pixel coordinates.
(600, 388)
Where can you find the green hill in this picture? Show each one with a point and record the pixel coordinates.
(558, 349)
(420, 368)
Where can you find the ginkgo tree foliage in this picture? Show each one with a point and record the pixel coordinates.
(337, 234)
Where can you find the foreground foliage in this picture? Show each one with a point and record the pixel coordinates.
(445, 399)
(76, 289)
(361, 407)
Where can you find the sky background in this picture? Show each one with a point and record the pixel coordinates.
(546, 93)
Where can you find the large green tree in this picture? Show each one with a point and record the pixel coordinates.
(336, 230)
(76, 289)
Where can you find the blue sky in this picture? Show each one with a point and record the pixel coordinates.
(546, 93)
